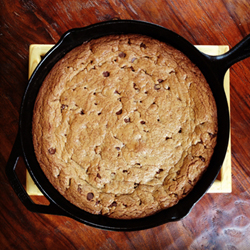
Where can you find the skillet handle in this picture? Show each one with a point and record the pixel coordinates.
(18, 187)
(223, 62)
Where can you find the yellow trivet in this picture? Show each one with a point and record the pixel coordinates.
(223, 183)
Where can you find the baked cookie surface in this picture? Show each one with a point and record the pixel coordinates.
(124, 126)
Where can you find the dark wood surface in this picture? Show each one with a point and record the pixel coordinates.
(218, 221)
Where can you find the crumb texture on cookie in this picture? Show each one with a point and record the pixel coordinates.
(124, 126)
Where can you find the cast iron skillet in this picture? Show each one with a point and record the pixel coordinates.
(213, 67)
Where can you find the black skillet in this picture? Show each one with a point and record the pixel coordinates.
(213, 67)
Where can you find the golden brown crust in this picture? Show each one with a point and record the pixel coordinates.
(124, 126)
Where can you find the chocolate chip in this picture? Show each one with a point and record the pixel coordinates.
(119, 112)
(122, 55)
(63, 107)
(79, 189)
(160, 80)
(90, 196)
(105, 73)
(157, 86)
(114, 204)
(167, 138)
(160, 170)
(98, 176)
(132, 68)
(117, 148)
(82, 112)
(135, 86)
(212, 135)
(202, 158)
(52, 151)
(133, 59)
(143, 45)
(127, 120)
(125, 171)
(180, 130)
(143, 122)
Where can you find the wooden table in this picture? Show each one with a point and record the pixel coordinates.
(219, 220)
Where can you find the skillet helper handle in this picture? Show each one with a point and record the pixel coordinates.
(18, 187)
(239, 52)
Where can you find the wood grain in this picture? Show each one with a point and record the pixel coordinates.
(217, 221)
